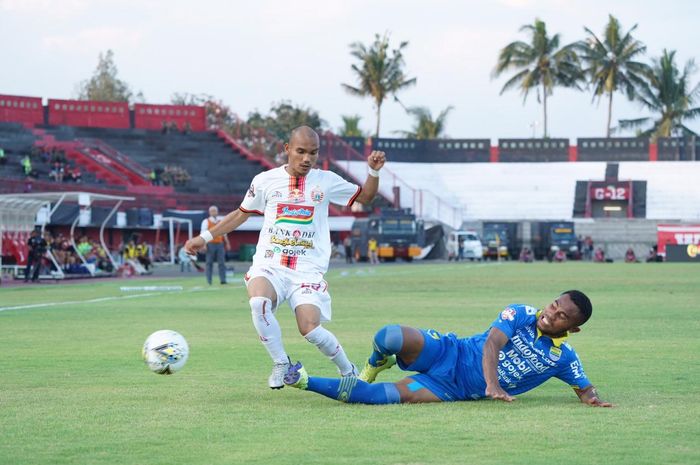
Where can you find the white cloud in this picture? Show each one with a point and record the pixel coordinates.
(93, 40)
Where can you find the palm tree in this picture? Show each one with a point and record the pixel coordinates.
(540, 64)
(351, 126)
(611, 64)
(379, 71)
(670, 95)
(426, 127)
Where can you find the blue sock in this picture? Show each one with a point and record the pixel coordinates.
(355, 391)
(387, 341)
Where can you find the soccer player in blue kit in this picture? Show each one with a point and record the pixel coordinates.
(522, 349)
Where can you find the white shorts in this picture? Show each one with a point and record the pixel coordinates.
(295, 287)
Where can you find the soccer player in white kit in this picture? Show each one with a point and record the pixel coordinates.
(294, 246)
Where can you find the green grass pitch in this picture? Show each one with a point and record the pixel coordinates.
(74, 390)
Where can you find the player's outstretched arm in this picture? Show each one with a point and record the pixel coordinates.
(228, 224)
(495, 341)
(589, 396)
(375, 162)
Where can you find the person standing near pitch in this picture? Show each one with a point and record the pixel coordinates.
(294, 246)
(217, 247)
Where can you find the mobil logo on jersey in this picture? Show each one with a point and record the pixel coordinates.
(294, 214)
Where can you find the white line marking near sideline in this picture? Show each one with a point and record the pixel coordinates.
(105, 299)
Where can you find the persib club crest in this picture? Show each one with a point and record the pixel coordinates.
(554, 353)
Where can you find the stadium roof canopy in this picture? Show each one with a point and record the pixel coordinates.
(18, 212)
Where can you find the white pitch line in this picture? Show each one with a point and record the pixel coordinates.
(104, 299)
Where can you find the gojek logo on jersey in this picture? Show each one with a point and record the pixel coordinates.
(294, 214)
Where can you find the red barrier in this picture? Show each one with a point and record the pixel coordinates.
(676, 234)
(15, 109)
(84, 113)
(148, 116)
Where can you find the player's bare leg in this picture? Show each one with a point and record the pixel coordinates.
(309, 323)
(263, 299)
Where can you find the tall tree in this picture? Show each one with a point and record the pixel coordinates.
(104, 85)
(285, 116)
(218, 114)
(668, 94)
(539, 64)
(379, 72)
(611, 65)
(351, 126)
(426, 126)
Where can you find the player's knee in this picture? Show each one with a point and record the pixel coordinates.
(389, 339)
(311, 331)
(260, 306)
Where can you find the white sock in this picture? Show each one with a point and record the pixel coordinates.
(329, 346)
(268, 328)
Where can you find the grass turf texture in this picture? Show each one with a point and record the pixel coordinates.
(73, 388)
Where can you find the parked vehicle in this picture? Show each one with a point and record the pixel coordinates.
(397, 231)
(500, 240)
(471, 248)
(548, 237)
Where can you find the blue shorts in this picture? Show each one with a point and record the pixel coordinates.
(437, 365)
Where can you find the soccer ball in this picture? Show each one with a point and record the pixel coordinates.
(165, 352)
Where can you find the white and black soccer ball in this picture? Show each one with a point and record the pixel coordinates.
(165, 352)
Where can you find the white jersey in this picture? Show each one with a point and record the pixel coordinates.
(295, 231)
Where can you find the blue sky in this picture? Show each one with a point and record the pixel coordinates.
(250, 54)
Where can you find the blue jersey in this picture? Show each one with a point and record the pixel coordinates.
(527, 360)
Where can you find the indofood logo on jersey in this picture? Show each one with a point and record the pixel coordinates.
(294, 214)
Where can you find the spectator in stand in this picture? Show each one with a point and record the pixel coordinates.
(3, 158)
(153, 176)
(559, 256)
(186, 128)
(37, 249)
(173, 126)
(164, 127)
(630, 256)
(77, 174)
(526, 255)
(27, 166)
(599, 255)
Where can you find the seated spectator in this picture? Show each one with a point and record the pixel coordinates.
(599, 255)
(173, 126)
(84, 246)
(142, 255)
(186, 128)
(164, 127)
(653, 255)
(526, 255)
(3, 158)
(630, 256)
(75, 174)
(559, 256)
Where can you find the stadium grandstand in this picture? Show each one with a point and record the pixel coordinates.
(166, 161)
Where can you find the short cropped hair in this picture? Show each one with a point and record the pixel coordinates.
(582, 302)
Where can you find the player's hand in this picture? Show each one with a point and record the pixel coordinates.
(497, 393)
(595, 402)
(194, 245)
(376, 160)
